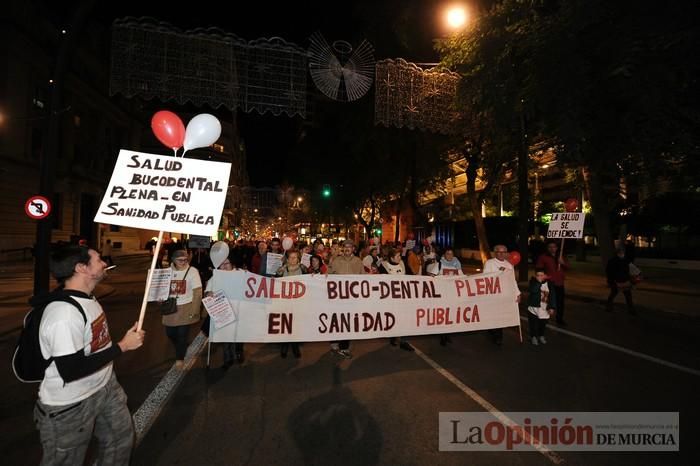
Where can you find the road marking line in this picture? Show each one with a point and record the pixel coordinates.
(148, 412)
(621, 349)
(549, 454)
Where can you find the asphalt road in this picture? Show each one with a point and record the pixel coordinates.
(382, 406)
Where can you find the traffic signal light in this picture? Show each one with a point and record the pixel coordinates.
(326, 190)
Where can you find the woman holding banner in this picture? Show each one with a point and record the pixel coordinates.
(292, 267)
(394, 266)
(186, 287)
(232, 351)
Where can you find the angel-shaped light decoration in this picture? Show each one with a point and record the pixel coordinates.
(338, 71)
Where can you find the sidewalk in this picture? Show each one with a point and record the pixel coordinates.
(17, 283)
(663, 290)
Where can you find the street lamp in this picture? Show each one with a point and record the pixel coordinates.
(456, 17)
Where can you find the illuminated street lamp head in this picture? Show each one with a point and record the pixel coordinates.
(456, 17)
(326, 190)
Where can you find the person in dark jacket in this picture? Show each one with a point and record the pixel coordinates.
(619, 279)
(541, 305)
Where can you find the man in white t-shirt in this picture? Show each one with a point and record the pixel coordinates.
(499, 264)
(79, 394)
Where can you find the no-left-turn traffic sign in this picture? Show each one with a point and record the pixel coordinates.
(37, 207)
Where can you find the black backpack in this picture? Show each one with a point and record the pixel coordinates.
(28, 363)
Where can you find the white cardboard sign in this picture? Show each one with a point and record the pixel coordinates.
(566, 225)
(160, 284)
(165, 193)
(219, 308)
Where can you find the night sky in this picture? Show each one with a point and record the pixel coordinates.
(395, 28)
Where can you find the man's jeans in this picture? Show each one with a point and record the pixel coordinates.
(66, 430)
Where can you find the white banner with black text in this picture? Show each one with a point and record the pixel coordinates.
(350, 307)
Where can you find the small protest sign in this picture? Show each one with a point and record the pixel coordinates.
(274, 262)
(219, 308)
(163, 193)
(197, 241)
(306, 259)
(160, 284)
(566, 225)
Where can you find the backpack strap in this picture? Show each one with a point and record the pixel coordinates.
(67, 296)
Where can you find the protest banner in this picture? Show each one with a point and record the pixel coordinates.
(164, 193)
(160, 284)
(346, 307)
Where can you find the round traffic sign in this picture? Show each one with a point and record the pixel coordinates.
(37, 207)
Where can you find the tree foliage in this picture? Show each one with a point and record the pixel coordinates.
(612, 85)
(368, 167)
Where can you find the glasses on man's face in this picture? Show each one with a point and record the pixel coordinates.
(181, 259)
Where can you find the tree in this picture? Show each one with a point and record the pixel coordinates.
(370, 167)
(490, 102)
(604, 82)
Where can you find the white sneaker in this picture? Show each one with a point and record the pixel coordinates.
(534, 341)
(543, 340)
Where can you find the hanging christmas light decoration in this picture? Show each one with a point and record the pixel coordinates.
(339, 71)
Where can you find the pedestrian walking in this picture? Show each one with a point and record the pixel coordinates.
(291, 268)
(79, 395)
(186, 287)
(232, 351)
(619, 279)
(555, 267)
(541, 305)
(395, 266)
(500, 264)
(346, 263)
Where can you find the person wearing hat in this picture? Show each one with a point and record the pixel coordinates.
(186, 287)
(345, 264)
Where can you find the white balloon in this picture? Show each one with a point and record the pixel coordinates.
(218, 253)
(287, 243)
(203, 130)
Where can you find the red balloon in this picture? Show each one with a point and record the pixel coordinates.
(514, 258)
(169, 129)
(571, 204)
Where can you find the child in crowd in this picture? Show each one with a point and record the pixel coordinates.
(541, 305)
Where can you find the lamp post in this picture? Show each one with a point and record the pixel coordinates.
(50, 153)
(538, 199)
